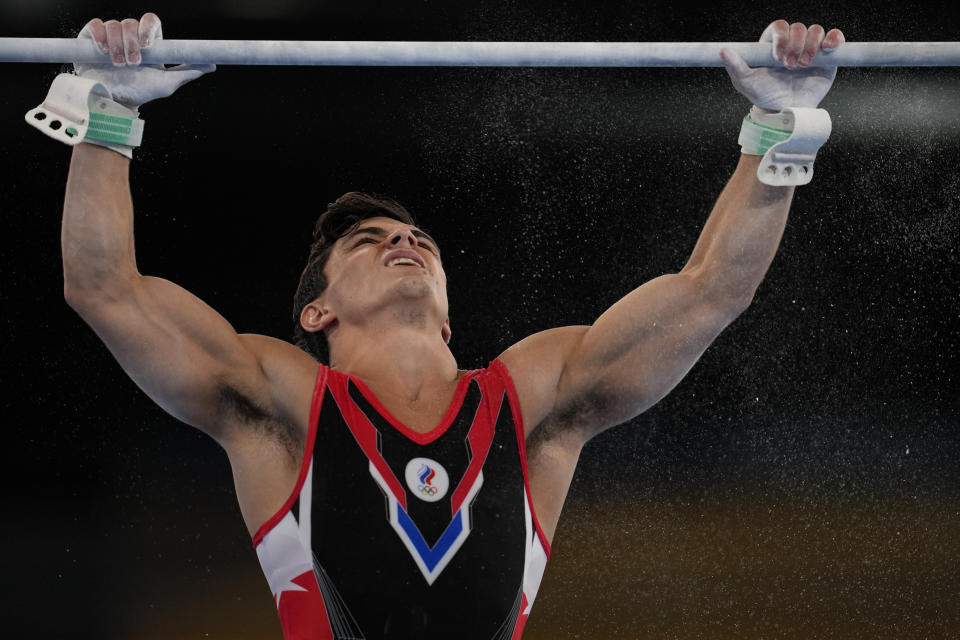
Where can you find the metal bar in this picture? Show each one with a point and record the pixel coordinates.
(478, 54)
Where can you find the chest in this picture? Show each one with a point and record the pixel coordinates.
(430, 412)
(420, 417)
(420, 534)
(455, 497)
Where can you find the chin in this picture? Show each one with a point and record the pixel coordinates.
(414, 287)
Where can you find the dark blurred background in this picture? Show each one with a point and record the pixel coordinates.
(803, 481)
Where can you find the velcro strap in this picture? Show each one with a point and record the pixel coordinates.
(760, 131)
(788, 140)
(110, 125)
(790, 162)
(79, 109)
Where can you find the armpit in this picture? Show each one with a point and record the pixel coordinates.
(585, 415)
(248, 415)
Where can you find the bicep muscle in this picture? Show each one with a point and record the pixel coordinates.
(178, 350)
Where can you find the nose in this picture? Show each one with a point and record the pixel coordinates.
(401, 237)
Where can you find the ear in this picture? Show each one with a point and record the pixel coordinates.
(316, 317)
(445, 331)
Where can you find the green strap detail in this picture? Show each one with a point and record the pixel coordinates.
(96, 116)
(110, 128)
(108, 137)
(756, 138)
(766, 126)
(116, 129)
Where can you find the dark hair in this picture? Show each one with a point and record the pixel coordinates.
(340, 218)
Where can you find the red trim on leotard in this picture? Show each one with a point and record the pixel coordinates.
(307, 457)
(521, 619)
(303, 614)
(437, 431)
(502, 370)
(480, 438)
(364, 433)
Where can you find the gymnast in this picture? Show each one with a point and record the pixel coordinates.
(456, 476)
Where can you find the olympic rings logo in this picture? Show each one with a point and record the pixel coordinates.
(426, 479)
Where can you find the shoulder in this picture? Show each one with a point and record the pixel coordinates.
(278, 352)
(281, 363)
(536, 366)
(288, 377)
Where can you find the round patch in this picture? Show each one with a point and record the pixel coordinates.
(427, 479)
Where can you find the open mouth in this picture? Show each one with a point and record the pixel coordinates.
(403, 262)
(403, 258)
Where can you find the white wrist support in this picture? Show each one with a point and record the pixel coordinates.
(788, 140)
(79, 109)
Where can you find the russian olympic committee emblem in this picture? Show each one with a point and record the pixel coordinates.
(427, 479)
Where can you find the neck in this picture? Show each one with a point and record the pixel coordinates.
(399, 361)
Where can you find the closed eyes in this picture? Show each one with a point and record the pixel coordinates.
(426, 245)
(429, 247)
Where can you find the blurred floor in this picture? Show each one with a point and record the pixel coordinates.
(753, 570)
(667, 569)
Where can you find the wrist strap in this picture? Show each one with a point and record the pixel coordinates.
(762, 129)
(80, 109)
(788, 140)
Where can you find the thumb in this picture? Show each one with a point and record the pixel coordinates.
(734, 63)
(184, 73)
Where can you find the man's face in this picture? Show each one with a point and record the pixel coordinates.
(385, 263)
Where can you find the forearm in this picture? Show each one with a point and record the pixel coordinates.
(97, 232)
(742, 234)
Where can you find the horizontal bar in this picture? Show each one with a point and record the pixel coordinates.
(479, 54)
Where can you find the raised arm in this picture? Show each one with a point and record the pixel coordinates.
(178, 350)
(591, 378)
(182, 353)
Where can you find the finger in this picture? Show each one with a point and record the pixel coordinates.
(131, 43)
(97, 32)
(115, 42)
(150, 30)
(776, 32)
(833, 39)
(798, 34)
(811, 45)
